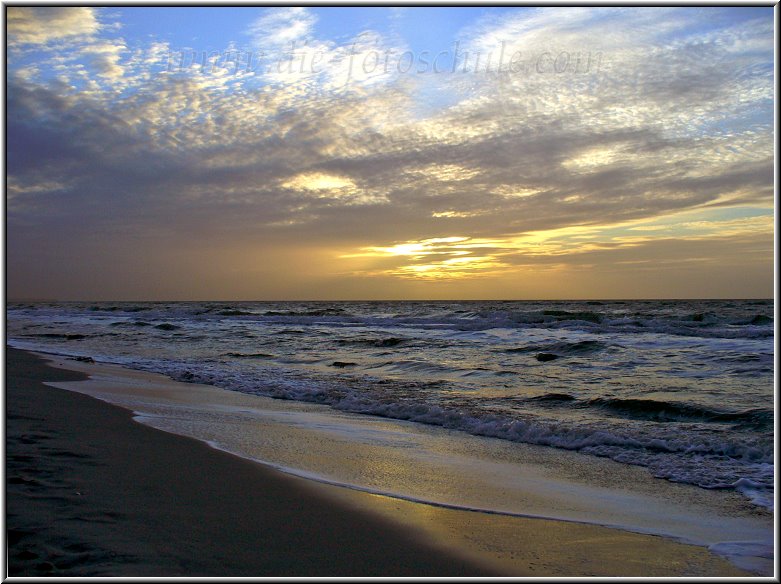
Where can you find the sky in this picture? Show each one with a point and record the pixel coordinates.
(281, 153)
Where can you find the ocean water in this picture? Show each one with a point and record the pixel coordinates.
(681, 388)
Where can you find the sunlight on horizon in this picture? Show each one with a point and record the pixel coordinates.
(413, 259)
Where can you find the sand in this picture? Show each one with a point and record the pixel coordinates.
(92, 492)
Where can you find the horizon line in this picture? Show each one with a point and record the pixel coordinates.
(42, 300)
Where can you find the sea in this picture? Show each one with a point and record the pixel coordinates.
(681, 388)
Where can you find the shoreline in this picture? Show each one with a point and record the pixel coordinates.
(113, 497)
(425, 540)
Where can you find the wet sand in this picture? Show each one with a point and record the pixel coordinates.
(92, 492)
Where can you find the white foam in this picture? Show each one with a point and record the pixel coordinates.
(427, 464)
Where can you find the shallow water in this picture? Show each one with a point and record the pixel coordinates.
(682, 388)
(437, 466)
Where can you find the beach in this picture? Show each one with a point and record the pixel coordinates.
(90, 491)
(362, 291)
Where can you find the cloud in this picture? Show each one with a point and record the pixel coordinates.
(277, 28)
(267, 161)
(643, 246)
(105, 59)
(285, 41)
(41, 25)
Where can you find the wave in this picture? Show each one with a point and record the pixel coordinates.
(563, 349)
(696, 452)
(418, 367)
(747, 358)
(706, 319)
(380, 343)
(659, 410)
(405, 402)
(747, 364)
(306, 313)
(552, 398)
(645, 450)
(408, 359)
(760, 319)
(66, 336)
(665, 411)
(566, 315)
(591, 322)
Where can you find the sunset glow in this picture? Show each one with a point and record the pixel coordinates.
(340, 152)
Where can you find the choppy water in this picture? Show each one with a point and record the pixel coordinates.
(684, 388)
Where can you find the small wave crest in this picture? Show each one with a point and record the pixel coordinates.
(563, 349)
(552, 398)
(371, 342)
(661, 411)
